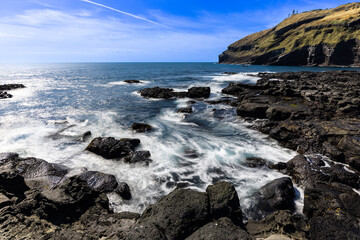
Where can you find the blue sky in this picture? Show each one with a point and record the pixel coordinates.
(135, 30)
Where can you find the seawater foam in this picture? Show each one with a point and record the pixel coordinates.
(240, 77)
(218, 147)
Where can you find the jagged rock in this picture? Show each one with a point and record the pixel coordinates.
(199, 92)
(309, 170)
(100, 182)
(110, 147)
(255, 162)
(141, 127)
(177, 215)
(283, 222)
(166, 93)
(7, 87)
(333, 211)
(138, 157)
(253, 110)
(224, 202)
(123, 190)
(279, 194)
(223, 228)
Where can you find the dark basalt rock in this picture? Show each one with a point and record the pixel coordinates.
(123, 190)
(199, 92)
(224, 202)
(255, 162)
(157, 92)
(276, 195)
(132, 81)
(8, 87)
(166, 93)
(333, 211)
(100, 182)
(306, 110)
(176, 215)
(223, 228)
(141, 127)
(309, 170)
(138, 157)
(111, 148)
(283, 221)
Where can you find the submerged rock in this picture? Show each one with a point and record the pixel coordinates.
(166, 93)
(138, 157)
(141, 127)
(111, 148)
(132, 81)
(185, 110)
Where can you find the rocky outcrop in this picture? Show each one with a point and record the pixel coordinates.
(321, 37)
(306, 111)
(166, 93)
(132, 81)
(8, 87)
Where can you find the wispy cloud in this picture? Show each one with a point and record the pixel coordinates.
(126, 13)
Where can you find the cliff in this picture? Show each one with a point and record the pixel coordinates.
(328, 37)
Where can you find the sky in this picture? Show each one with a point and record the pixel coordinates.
(135, 30)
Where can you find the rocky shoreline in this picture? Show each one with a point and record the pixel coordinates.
(316, 114)
(8, 87)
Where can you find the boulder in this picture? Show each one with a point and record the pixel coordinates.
(123, 190)
(141, 127)
(111, 148)
(100, 182)
(254, 162)
(176, 215)
(199, 92)
(252, 110)
(283, 221)
(278, 194)
(138, 157)
(224, 202)
(157, 92)
(220, 229)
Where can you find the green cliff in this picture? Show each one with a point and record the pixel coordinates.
(328, 37)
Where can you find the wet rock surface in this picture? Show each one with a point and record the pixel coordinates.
(141, 127)
(166, 93)
(278, 194)
(314, 112)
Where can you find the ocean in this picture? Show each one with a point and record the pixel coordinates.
(64, 100)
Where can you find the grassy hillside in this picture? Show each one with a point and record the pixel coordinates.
(329, 27)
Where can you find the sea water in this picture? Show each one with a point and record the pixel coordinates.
(66, 100)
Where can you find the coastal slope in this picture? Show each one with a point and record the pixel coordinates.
(328, 37)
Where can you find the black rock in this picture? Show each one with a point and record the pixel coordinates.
(224, 202)
(138, 157)
(280, 222)
(100, 182)
(157, 92)
(132, 81)
(199, 92)
(223, 228)
(279, 194)
(141, 127)
(111, 148)
(123, 190)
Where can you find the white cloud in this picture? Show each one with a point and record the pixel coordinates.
(53, 35)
